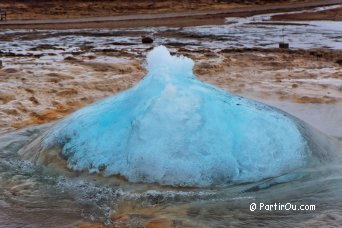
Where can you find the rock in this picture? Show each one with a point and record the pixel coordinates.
(146, 40)
(283, 45)
(317, 54)
(69, 58)
(339, 62)
(10, 70)
(34, 100)
(44, 46)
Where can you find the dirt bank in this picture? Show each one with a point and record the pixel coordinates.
(60, 9)
(213, 14)
(331, 14)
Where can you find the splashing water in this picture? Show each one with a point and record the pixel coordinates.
(173, 129)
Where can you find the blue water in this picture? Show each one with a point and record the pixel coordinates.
(175, 130)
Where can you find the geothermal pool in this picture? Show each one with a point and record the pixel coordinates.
(41, 179)
(172, 129)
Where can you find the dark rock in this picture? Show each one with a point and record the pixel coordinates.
(34, 100)
(10, 70)
(146, 40)
(69, 58)
(45, 46)
(317, 54)
(283, 45)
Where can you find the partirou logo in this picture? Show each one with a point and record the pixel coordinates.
(281, 207)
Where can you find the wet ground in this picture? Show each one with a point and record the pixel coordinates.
(47, 74)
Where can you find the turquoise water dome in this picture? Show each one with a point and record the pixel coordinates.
(175, 130)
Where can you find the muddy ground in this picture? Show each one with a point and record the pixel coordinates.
(34, 91)
(41, 88)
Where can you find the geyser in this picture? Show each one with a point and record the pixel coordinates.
(173, 129)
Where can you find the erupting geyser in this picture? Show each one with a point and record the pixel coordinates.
(173, 129)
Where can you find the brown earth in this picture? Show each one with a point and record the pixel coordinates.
(100, 14)
(332, 14)
(34, 9)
